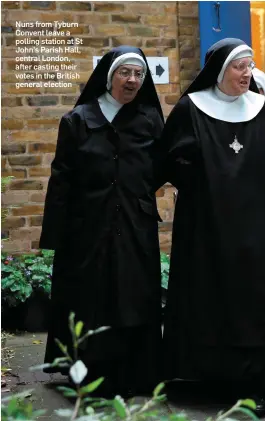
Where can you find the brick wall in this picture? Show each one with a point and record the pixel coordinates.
(30, 116)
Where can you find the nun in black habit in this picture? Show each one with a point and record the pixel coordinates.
(101, 219)
(214, 153)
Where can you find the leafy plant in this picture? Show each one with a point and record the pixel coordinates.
(89, 408)
(39, 268)
(117, 409)
(14, 284)
(165, 261)
(22, 275)
(86, 407)
(15, 407)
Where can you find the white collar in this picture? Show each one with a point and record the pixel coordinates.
(109, 106)
(224, 97)
(112, 100)
(223, 107)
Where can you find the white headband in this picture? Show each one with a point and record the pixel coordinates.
(239, 52)
(127, 58)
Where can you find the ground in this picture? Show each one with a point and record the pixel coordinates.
(27, 349)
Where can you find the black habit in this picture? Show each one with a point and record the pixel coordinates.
(101, 219)
(215, 312)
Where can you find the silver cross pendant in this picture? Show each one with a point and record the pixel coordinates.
(236, 145)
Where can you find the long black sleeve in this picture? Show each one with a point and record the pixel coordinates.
(177, 149)
(57, 198)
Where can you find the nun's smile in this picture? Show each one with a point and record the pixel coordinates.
(126, 82)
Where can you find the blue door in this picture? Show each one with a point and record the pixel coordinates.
(223, 19)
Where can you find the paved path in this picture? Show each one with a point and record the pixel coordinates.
(29, 351)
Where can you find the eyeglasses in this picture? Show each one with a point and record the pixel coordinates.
(127, 73)
(242, 66)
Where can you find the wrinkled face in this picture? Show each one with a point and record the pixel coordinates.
(237, 76)
(126, 82)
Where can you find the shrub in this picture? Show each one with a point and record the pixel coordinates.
(22, 275)
(165, 261)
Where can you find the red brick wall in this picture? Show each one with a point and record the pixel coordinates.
(30, 116)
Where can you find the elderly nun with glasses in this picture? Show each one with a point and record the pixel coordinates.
(214, 153)
(101, 219)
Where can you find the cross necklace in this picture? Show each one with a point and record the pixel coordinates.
(236, 145)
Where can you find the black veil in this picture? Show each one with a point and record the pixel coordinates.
(214, 60)
(96, 85)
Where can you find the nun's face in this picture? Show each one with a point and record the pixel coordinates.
(237, 77)
(126, 82)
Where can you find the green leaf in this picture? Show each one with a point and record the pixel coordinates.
(62, 347)
(89, 410)
(27, 290)
(12, 406)
(160, 398)
(71, 321)
(158, 389)
(40, 367)
(135, 407)
(67, 391)
(14, 288)
(91, 386)
(5, 369)
(39, 412)
(64, 412)
(93, 332)
(20, 395)
(101, 403)
(120, 408)
(60, 360)
(250, 403)
(165, 264)
(29, 261)
(180, 417)
(161, 417)
(78, 328)
(246, 411)
(5, 181)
